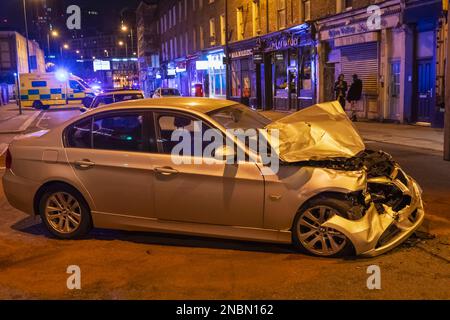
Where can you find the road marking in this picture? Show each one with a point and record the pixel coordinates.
(3, 148)
(38, 124)
(29, 121)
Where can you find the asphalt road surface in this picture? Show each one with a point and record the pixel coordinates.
(130, 265)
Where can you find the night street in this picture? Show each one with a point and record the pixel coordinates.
(154, 266)
(222, 159)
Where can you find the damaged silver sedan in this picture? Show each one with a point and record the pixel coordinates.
(115, 167)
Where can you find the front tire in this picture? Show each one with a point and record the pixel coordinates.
(309, 236)
(64, 212)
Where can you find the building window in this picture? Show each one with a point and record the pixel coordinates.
(170, 18)
(281, 14)
(185, 9)
(222, 29)
(200, 4)
(212, 31)
(348, 4)
(343, 5)
(202, 40)
(305, 11)
(256, 14)
(194, 39)
(186, 42)
(174, 18)
(240, 23)
(179, 10)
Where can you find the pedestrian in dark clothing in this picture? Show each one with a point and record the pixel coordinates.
(340, 89)
(354, 94)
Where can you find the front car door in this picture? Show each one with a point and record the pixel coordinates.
(218, 194)
(109, 153)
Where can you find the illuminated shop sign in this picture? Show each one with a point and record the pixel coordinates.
(201, 65)
(101, 65)
(283, 42)
(258, 58)
(241, 53)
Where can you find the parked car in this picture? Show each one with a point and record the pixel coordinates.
(116, 167)
(166, 92)
(111, 96)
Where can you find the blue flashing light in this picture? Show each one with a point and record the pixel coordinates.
(62, 75)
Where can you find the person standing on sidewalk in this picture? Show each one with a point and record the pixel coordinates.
(354, 94)
(340, 89)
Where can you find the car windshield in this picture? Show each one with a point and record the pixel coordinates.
(239, 117)
(85, 85)
(170, 92)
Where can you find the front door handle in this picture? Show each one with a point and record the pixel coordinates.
(166, 171)
(84, 164)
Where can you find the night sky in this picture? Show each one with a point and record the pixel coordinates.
(11, 13)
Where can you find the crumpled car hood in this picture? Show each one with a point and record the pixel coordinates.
(319, 132)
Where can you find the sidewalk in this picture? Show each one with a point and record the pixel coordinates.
(12, 122)
(400, 134)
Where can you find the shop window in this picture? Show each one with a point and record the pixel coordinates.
(281, 14)
(280, 75)
(235, 78)
(306, 71)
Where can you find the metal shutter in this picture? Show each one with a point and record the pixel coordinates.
(361, 59)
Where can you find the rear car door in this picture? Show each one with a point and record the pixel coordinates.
(109, 153)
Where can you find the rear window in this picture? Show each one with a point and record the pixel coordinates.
(170, 92)
(78, 135)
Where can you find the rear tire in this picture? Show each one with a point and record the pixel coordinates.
(38, 105)
(64, 212)
(308, 235)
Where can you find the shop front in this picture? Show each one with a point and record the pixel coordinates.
(352, 44)
(275, 71)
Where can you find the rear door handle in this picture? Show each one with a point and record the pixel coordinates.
(166, 171)
(84, 164)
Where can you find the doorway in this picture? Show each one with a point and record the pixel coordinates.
(425, 90)
(394, 91)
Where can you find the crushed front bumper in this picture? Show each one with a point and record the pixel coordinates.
(377, 233)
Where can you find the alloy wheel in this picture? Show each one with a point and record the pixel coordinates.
(320, 240)
(63, 212)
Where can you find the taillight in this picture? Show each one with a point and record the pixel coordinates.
(8, 159)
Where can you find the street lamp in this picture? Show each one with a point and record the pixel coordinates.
(121, 43)
(54, 34)
(124, 28)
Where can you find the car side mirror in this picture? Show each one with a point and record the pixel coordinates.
(225, 153)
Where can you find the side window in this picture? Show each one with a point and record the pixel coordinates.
(78, 135)
(75, 85)
(167, 124)
(119, 132)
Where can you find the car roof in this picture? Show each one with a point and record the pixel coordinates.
(202, 105)
(121, 91)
